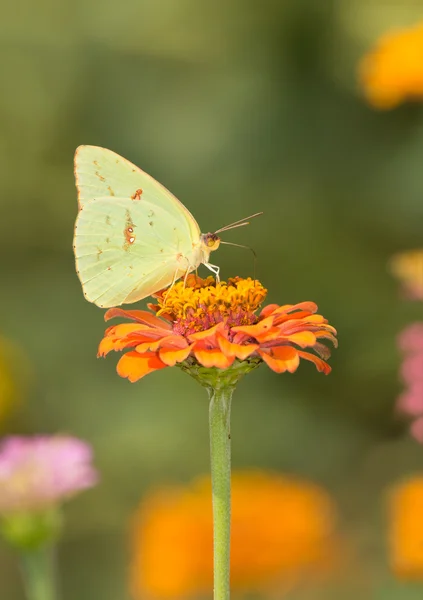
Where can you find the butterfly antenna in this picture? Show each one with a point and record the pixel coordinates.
(247, 247)
(239, 223)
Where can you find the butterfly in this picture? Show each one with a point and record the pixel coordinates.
(132, 236)
(408, 268)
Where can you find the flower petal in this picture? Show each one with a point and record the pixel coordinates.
(321, 365)
(207, 333)
(240, 351)
(116, 337)
(301, 338)
(281, 358)
(307, 306)
(213, 357)
(260, 328)
(322, 350)
(170, 356)
(108, 344)
(141, 316)
(173, 342)
(328, 336)
(134, 365)
(292, 319)
(268, 310)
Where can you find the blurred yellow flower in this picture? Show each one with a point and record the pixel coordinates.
(406, 529)
(392, 72)
(282, 532)
(407, 267)
(10, 383)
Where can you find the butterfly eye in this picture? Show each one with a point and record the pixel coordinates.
(212, 241)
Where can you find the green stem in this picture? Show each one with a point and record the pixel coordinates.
(39, 573)
(220, 453)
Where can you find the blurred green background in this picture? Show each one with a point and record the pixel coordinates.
(236, 107)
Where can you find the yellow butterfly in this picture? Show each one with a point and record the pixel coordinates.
(132, 236)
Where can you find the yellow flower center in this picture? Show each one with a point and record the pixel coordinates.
(198, 304)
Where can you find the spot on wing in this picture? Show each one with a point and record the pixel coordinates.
(107, 219)
(137, 194)
(99, 252)
(128, 231)
(95, 163)
(150, 213)
(111, 192)
(150, 223)
(100, 176)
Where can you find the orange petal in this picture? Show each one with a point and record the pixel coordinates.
(308, 306)
(107, 344)
(141, 316)
(321, 365)
(327, 335)
(213, 358)
(124, 329)
(116, 338)
(281, 359)
(271, 334)
(202, 335)
(173, 341)
(170, 356)
(260, 328)
(134, 365)
(302, 338)
(268, 310)
(291, 317)
(240, 351)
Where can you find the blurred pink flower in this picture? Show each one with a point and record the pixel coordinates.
(40, 471)
(412, 368)
(410, 402)
(411, 338)
(416, 430)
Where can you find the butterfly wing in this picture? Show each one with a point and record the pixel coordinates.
(113, 193)
(101, 173)
(128, 249)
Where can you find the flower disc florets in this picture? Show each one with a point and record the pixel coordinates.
(202, 303)
(212, 325)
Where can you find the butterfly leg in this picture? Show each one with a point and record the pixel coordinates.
(214, 269)
(175, 278)
(186, 277)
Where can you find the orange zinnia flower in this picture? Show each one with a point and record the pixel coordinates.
(393, 71)
(214, 325)
(406, 529)
(283, 532)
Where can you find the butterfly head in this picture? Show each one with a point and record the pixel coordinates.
(211, 241)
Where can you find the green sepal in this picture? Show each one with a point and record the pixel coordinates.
(218, 379)
(31, 530)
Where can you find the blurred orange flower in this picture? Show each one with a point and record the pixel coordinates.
(14, 374)
(282, 533)
(214, 324)
(406, 529)
(392, 72)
